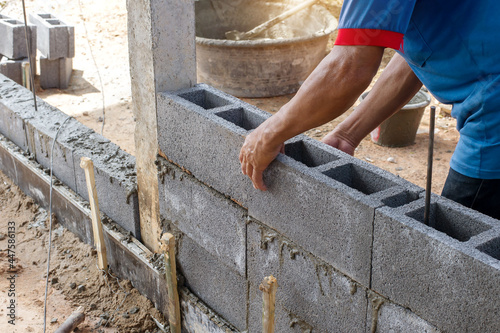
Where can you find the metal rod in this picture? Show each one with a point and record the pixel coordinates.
(28, 47)
(429, 166)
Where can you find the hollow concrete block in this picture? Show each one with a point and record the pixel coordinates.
(55, 73)
(13, 42)
(218, 286)
(56, 39)
(309, 288)
(16, 106)
(13, 69)
(115, 176)
(41, 131)
(439, 271)
(394, 318)
(213, 221)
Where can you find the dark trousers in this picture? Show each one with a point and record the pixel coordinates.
(482, 195)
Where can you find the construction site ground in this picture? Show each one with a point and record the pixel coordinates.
(101, 77)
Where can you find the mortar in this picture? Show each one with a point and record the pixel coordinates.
(273, 64)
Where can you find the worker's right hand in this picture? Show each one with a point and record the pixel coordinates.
(340, 140)
(256, 154)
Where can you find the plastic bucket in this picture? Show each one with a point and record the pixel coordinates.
(401, 128)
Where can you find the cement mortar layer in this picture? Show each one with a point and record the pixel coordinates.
(34, 132)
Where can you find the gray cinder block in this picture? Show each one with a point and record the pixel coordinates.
(13, 69)
(438, 271)
(394, 318)
(13, 41)
(41, 134)
(309, 288)
(16, 106)
(116, 179)
(317, 196)
(56, 39)
(55, 73)
(218, 286)
(213, 221)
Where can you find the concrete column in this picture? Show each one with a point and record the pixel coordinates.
(162, 52)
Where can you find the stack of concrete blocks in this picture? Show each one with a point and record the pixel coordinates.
(34, 132)
(344, 239)
(13, 48)
(56, 43)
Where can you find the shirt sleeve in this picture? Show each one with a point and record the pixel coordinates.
(374, 22)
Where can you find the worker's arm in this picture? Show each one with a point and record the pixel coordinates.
(327, 93)
(395, 87)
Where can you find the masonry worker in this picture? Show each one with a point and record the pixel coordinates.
(452, 47)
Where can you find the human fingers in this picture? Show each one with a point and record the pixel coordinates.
(258, 181)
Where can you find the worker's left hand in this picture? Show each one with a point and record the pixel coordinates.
(256, 155)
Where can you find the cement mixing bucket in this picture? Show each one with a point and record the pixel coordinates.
(276, 63)
(401, 128)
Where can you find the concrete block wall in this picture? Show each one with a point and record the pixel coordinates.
(34, 132)
(344, 238)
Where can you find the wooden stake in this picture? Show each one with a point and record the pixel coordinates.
(26, 75)
(87, 165)
(268, 287)
(72, 322)
(174, 311)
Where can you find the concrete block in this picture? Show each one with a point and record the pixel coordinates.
(193, 136)
(41, 131)
(56, 39)
(16, 106)
(55, 73)
(308, 287)
(438, 271)
(221, 288)
(13, 69)
(202, 130)
(210, 219)
(115, 175)
(13, 42)
(394, 318)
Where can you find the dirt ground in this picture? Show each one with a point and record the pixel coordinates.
(101, 78)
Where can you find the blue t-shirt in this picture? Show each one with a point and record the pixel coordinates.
(454, 49)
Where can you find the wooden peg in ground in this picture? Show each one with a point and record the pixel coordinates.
(102, 261)
(268, 287)
(174, 310)
(72, 322)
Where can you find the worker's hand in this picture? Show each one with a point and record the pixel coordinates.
(340, 140)
(256, 155)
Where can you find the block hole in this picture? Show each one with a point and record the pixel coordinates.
(205, 99)
(54, 22)
(13, 22)
(359, 178)
(400, 199)
(453, 223)
(45, 16)
(242, 118)
(491, 248)
(308, 154)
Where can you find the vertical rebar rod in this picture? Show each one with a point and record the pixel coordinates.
(429, 166)
(28, 47)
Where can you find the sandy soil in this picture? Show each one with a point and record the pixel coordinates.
(101, 78)
(110, 304)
